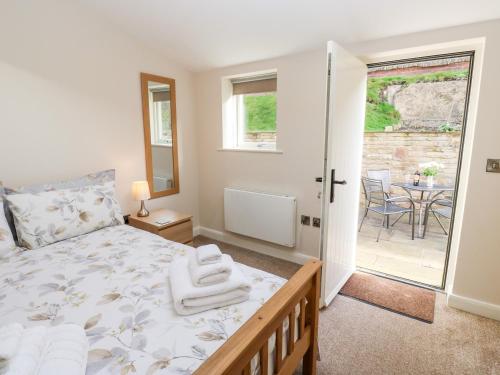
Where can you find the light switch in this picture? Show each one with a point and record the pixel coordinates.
(493, 165)
(305, 220)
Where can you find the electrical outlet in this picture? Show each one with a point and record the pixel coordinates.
(493, 165)
(316, 222)
(305, 220)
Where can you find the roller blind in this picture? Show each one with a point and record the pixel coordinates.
(161, 96)
(254, 85)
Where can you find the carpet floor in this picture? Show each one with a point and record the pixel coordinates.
(358, 338)
(392, 295)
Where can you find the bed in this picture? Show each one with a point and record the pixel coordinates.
(114, 283)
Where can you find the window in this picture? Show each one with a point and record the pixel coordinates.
(161, 132)
(250, 121)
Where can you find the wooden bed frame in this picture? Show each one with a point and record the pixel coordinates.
(234, 357)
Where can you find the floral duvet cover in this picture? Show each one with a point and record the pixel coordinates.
(114, 283)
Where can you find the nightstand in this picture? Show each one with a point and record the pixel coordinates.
(179, 227)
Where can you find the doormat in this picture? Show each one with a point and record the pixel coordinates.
(401, 298)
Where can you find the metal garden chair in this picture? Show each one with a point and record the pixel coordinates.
(379, 202)
(439, 207)
(381, 174)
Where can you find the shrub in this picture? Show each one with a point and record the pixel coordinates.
(446, 128)
(260, 112)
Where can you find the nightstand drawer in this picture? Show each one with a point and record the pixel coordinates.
(182, 232)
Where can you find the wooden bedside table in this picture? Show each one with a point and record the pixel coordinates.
(179, 229)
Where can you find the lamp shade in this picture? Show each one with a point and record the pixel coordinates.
(140, 190)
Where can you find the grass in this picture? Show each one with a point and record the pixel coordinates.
(379, 113)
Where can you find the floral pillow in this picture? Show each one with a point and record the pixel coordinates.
(98, 178)
(6, 240)
(51, 216)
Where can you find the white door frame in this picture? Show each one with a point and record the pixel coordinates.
(477, 45)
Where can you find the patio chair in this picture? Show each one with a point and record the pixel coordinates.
(381, 174)
(385, 176)
(379, 202)
(439, 207)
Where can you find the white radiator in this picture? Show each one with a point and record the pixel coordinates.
(264, 216)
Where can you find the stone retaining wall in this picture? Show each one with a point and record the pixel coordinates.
(402, 152)
(428, 105)
(260, 137)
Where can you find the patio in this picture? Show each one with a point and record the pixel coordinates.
(420, 260)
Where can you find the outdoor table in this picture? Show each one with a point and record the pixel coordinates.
(427, 195)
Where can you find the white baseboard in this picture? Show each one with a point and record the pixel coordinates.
(474, 306)
(258, 247)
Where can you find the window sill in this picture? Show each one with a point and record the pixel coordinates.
(251, 150)
(161, 145)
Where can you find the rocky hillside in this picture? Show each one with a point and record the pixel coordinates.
(417, 98)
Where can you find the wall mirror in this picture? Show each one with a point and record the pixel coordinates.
(160, 134)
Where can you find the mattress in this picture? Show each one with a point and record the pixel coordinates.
(114, 283)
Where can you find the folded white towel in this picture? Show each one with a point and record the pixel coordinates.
(44, 351)
(30, 352)
(189, 299)
(209, 274)
(10, 336)
(208, 254)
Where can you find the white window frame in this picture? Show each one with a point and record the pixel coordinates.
(240, 126)
(233, 119)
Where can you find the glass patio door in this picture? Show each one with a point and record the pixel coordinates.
(416, 114)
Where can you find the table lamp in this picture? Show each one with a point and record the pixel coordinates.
(140, 191)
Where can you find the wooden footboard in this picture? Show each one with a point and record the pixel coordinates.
(234, 357)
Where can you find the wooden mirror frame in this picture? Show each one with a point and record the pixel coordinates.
(145, 78)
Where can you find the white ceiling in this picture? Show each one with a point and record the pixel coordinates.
(204, 34)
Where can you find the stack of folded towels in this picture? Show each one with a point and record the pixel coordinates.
(205, 280)
(42, 350)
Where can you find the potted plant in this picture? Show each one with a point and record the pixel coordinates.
(430, 170)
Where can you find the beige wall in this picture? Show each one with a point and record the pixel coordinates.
(71, 102)
(300, 124)
(476, 280)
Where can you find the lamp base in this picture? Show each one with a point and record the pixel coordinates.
(143, 212)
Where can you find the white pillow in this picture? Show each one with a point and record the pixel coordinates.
(6, 240)
(47, 217)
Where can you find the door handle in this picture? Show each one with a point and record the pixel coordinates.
(334, 182)
(343, 182)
